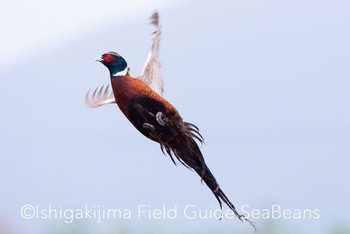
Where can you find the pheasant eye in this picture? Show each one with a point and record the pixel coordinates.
(108, 58)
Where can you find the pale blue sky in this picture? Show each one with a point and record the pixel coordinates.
(267, 83)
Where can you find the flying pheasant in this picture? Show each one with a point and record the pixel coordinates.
(140, 99)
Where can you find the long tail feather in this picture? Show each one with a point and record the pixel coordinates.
(189, 154)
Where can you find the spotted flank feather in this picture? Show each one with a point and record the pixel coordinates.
(191, 132)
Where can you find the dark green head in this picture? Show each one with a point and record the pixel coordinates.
(115, 63)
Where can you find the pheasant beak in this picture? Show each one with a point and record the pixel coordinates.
(99, 59)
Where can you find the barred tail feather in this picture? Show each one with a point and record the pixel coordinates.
(189, 154)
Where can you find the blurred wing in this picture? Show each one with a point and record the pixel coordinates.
(99, 97)
(151, 73)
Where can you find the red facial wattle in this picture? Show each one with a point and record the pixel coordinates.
(108, 58)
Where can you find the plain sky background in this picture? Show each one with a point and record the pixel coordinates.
(267, 83)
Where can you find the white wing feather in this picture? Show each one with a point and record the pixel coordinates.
(99, 97)
(151, 73)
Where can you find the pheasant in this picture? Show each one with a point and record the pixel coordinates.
(140, 99)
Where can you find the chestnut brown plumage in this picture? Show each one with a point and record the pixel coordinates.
(140, 99)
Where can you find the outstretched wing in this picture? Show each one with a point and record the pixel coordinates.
(151, 73)
(99, 97)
